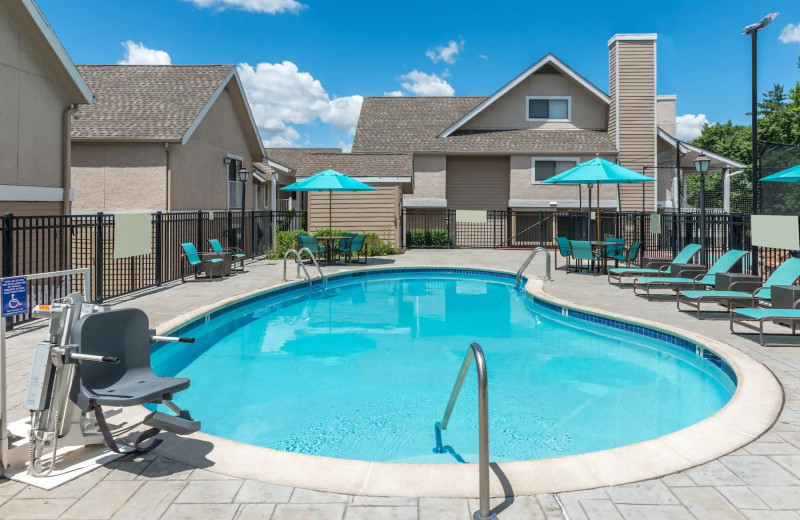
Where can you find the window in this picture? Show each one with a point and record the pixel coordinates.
(546, 167)
(235, 186)
(549, 108)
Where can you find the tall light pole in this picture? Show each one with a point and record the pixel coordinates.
(701, 164)
(243, 174)
(752, 30)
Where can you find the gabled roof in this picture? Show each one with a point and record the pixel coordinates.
(291, 157)
(154, 102)
(550, 60)
(32, 23)
(686, 147)
(399, 167)
(413, 125)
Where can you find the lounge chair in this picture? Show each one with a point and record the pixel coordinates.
(564, 249)
(236, 254)
(686, 254)
(760, 315)
(357, 245)
(583, 250)
(211, 266)
(786, 274)
(723, 265)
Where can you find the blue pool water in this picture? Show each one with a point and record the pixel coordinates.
(364, 371)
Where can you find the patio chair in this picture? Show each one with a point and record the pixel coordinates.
(211, 265)
(583, 250)
(629, 255)
(760, 315)
(356, 245)
(563, 249)
(236, 254)
(616, 248)
(786, 274)
(310, 242)
(723, 265)
(686, 254)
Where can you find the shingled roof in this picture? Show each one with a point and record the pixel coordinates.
(145, 102)
(358, 164)
(413, 124)
(291, 157)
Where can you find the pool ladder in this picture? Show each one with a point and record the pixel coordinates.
(474, 352)
(300, 264)
(527, 262)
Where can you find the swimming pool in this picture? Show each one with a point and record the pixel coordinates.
(364, 369)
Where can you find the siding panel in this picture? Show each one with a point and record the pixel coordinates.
(358, 212)
(478, 182)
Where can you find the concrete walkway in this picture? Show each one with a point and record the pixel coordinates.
(760, 481)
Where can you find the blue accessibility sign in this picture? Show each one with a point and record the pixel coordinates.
(14, 296)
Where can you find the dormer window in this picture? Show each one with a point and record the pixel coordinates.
(549, 108)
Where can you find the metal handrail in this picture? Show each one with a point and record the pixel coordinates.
(314, 261)
(528, 261)
(474, 352)
(299, 264)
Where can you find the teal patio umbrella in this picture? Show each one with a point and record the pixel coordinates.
(330, 181)
(597, 171)
(790, 175)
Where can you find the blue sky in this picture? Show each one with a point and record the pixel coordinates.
(306, 63)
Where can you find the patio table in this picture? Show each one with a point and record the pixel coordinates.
(329, 242)
(600, 249)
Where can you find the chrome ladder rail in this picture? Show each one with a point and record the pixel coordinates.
(528, 261)
(314, 260)
(300, 264)
(474, 352)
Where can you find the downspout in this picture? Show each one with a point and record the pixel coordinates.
(169, 180)
(66, 158)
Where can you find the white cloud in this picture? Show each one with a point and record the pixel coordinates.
(790, 34)
(346, 147)
(138, 54)
(690, 126)
(483, 56)
(280, 95)
(422, 84)
(394, 93)
(446, 53)
(258, 6)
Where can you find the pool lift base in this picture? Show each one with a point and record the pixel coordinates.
(71, 376)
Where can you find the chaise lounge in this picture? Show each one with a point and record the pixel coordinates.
(686, 254)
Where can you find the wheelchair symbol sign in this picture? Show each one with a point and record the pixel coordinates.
(14, 295)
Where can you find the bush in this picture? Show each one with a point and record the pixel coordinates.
(415, 238)
(438, 238)
(284, 241)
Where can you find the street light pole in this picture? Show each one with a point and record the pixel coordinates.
(752, 30)
(701, 164)
(243, 174)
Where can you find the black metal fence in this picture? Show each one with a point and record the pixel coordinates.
(52, 243)
(663, 234)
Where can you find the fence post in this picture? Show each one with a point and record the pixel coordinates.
(199, 229)
(159, 222)
(642, 235)
(8, 244)
(253, 233)
(98, 259)
(230, 229)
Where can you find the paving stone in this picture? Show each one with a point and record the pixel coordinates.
(256, 512)
(165, 469)
(204, 474)
(770, 515)
(653, 512)
(103, 500)
(646, 492)
(34, 509)
(706, 503)
(384, 501)
(72, 489)
(600, 510)
(742, 497)
(308, 512)
(757, 470)
(150, 501)
(779, 497)
(518, 508)
(443, 509)
(550, 507)
(263, 493)
(209, 492)
(789, 462)
(127, 469)
(677, 479)
(307, 496)
(200, 512)
(714, 473)
(772, 448)
(9, 488)
(382, 512)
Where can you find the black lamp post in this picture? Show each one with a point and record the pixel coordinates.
(701, 164)
(752, 30)
(243, 174)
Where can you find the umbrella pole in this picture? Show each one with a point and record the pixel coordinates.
(589, 219)
(330, 212)
(598, 211)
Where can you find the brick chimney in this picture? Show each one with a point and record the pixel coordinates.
(632, 113)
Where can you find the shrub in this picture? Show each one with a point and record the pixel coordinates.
(438, 238)
(415, 238)
(284, 241)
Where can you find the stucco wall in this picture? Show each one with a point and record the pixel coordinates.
(31, 113)
(119, 177)
(430, 178)
(199, 173)
(510, 111)
(665, 112)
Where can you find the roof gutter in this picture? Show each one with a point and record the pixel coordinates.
(66, 158)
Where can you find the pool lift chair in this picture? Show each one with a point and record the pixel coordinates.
(94, 357)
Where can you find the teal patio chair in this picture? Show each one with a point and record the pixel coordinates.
(686, 254)
(311, 244)
(760, 315)
(786, 274)
(236, 254)
(583, 250)
(725, 263)
(210, 266)
(563, 249)
(616, 248)
(358, 246)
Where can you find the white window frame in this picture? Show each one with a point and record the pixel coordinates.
(537, 158)
(528, 105)
(228, 181)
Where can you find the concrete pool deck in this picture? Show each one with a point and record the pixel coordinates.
(759, 480)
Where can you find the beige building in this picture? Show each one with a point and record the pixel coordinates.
(39, 90)
(165, 138)
(280, 170)
(492, 153)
